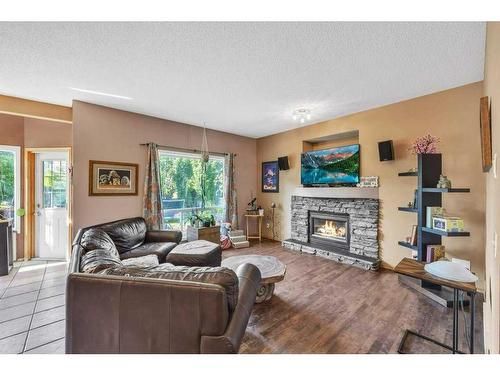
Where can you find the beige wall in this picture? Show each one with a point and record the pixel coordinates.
(492, 89)
(452, 115)
(101, 133)
(29, 132)
(45, 133)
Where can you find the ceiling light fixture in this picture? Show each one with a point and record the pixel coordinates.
(301, 115)
(100, 93)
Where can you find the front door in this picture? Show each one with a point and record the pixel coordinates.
(51, 205)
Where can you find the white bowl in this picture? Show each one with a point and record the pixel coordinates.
(450, 271)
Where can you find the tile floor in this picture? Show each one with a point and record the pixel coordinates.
(32, 311)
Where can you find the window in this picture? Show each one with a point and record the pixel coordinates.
(10, 183)
(182, 192)
(54, 183)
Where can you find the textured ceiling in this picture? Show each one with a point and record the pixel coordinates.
(243, 78)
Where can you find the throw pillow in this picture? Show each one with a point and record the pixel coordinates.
(150, 260)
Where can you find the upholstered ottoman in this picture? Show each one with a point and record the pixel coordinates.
(199, 253)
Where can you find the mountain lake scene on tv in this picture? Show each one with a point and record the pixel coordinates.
(333, 166)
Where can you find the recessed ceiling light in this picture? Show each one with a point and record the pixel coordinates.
(101, 93)
(301, 115)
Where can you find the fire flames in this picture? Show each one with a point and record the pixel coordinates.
(331, 229)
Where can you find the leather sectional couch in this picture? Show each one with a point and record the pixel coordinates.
(162, 308)
(132, 239)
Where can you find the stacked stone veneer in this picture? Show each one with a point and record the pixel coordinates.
(363, 222)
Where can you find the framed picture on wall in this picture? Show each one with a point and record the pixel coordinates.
(485, 123)
(112, 178)
(270, 177)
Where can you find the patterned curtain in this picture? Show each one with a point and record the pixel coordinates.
(152, 200)
(231, 215)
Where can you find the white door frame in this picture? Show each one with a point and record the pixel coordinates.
(29, 191)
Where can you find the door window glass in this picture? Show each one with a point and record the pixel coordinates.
(54, 183)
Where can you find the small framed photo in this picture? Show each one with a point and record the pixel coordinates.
(112, 178)
(370, 181)
(270, 177)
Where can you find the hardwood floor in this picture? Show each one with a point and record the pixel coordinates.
(325, 307)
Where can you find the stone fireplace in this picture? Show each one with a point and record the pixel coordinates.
(342, 229)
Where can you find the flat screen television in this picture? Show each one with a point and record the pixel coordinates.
(334, 166)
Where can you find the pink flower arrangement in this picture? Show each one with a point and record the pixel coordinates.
(425, 145)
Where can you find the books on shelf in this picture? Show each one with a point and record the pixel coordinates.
(431, 212)
(434, 253)
(448, 224)
(413, 239)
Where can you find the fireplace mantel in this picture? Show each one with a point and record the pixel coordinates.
(337, 192)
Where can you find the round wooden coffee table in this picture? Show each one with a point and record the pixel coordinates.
(271, 270)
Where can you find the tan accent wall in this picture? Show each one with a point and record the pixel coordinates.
(101, 133)
(33, 109)
(30, 132)
(492, 89)
(452, 115)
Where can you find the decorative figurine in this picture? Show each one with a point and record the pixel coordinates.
(252, 205)
(443, 182)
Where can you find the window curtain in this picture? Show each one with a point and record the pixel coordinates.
(231, 215)
(152, 199)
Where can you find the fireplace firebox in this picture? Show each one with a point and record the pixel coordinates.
(329, 229)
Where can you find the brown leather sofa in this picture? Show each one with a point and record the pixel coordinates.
(112, 308)
(132, 239)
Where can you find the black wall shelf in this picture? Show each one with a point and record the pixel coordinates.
(450, 190)
(408, 209)
(408, 245)
(429, 170)
(444, 233)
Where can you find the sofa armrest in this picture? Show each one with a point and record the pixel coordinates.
(249, 281)
(163, 236)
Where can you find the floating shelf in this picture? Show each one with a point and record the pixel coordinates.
(408, 174)
(408, 209)
(450, 190)
(408, 245)
(443, 233)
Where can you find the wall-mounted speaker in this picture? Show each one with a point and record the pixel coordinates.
(283, 163)
(385, 150)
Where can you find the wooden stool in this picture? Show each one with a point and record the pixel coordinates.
(259, 224)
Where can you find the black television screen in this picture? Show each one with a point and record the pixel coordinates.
(338, 165)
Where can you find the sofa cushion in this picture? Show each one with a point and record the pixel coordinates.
(96, 238)
(221, 276)
(98, 260)
(160, 249)
(127, 234)
(150, 260)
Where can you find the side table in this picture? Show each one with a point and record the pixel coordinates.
(258, 219)
(413, 268)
